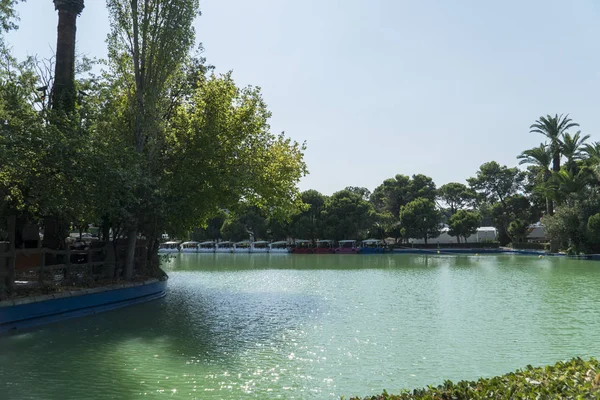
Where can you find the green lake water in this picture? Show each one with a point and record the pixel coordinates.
(315, 326)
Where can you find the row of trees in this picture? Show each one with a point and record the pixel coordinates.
(401, 207)
(559, 187)
(157, 141)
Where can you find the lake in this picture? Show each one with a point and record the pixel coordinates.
(315, 326)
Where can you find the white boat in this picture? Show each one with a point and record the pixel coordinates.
(189, 247)
(280, 247)
(260, 246)
(224, 247)
(206, 247)
(169, 247)
(242, 247)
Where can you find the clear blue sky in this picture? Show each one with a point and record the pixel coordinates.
(381, 87)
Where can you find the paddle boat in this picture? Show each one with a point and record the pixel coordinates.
(324, 247)
(371, 246)
(302, 246)
(224, 247)
(280, 247)
(206, 247)
(169, 247)
(242, 247)
(189, 247)
(260, 246)
(346, 247)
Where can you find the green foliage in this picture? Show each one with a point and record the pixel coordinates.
(456, 196)
(464, 223)
(220, 150)
(248, 224)
(593, 227)
(8, 16)
(498, 186)
(157, 144)
(567, 226)
(348, 215)
(495, 182)
(514, 207)
(553, 128)
(572, 149)
(394, 193)
(574, 379)
(529, 246)
(420, 219)
(518, 230)
(309, 224)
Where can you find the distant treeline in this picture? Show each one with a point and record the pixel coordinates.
(559, 187)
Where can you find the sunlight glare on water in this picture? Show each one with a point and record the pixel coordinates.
(310, 326)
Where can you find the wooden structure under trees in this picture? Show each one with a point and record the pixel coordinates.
(42, 270)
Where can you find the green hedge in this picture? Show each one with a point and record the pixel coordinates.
(575, 379)
(529, 246)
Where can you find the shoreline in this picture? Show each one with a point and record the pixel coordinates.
(26, 312)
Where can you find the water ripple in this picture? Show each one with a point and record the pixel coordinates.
(296, 327)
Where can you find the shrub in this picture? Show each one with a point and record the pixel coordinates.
(574, 379)
(529, 246)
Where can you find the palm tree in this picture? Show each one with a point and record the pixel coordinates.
(63, 92)
(553, 128)
(540, 158)
(565, 183)
(592, 150)
(572, 149)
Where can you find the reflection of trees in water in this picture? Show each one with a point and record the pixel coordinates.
(236, 262)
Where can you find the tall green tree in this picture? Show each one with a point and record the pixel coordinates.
(456, 196)
(592, 150)
(573, 149)
(495, 182)
(309, 224)
(348, 215)
(539, 158)
(497, 185)
(396, 192)
(553, 128)
(247, 223)
(420, 219)
(63, 92)
(463, 224)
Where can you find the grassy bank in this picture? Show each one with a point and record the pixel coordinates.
(574, 379)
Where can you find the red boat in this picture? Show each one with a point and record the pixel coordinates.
(324, 247)
(347, 247)
(302, 247)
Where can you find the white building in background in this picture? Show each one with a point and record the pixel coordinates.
(483, 234)
(537, 233)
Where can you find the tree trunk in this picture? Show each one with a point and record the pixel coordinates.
(556, 161)
(10, 275)
(425, 240)
(105, 229)
(63, 92)
(54, 233)
(130, 258)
